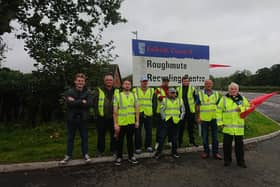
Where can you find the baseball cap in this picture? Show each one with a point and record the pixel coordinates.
(143, 78)
(172, 90)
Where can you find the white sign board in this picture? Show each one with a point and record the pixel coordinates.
(161, 59)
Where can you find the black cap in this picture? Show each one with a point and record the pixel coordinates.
(165, 79)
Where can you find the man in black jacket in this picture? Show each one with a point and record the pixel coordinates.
(103, 105)
(78, 100)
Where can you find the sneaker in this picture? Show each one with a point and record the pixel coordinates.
(150, 149)
(133, 160)
(65, 160)
(175, 155)
(87, 158)
(118, 161)
(138, 151)
(157, 156)
(156, 146)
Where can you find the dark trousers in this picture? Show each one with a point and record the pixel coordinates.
(127, 131)
(145, 121)
(239, 148)
(189, 119)
(205, 125)
(72, 126)
(168, 127)
(103, 126)
(159, 122)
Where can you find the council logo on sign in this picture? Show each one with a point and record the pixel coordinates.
(141, 48)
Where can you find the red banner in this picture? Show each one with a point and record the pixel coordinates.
(256, 102)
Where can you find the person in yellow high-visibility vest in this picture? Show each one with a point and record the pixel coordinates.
(188, 94)
(172, 112)
(145, 96)
(161, 93)
(206, 108)
(228, 117)
(126, 119)
(103, 105)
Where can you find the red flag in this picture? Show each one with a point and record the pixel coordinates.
(256, 102)
(218, 65)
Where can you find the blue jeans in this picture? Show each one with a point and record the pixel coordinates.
(72, 126)
(214, 133)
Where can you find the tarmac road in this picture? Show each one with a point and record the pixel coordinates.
(270, 108)
(189, 170)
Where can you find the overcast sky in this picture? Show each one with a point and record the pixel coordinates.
(243, 34)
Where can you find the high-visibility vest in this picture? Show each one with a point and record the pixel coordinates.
(190, 98)
(126, 108)
(229, 117)
(162, 93)
(101, 99)
(208, 105)
(172, 109)
(145, 100)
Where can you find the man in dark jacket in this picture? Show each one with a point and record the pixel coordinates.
(103, 105)
(78, 100)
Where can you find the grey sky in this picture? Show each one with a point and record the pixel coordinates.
(243, 34)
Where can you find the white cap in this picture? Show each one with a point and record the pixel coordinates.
(143, 78)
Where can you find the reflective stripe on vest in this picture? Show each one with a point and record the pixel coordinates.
(190, 98)
(173, 110)
(233, 124)
(101, 99)
(126, 109)
(208, 105)
(162, 93)
(145, 101)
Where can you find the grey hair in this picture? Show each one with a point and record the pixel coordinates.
(233, 84)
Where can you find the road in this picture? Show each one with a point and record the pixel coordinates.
(189, 170)
(271, 107)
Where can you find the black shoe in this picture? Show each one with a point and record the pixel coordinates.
(118, 161)
(157, 156)
(175, 155)
(242, 165)
(133, 160)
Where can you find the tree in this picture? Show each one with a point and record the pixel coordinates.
(3, 48)
(64, 35)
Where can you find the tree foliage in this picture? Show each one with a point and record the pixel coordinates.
(262, 77)
(63, 36)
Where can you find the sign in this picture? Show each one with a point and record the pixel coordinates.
(172, 60)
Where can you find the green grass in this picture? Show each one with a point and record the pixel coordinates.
(48, 141)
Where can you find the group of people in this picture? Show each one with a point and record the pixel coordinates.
(125, 112)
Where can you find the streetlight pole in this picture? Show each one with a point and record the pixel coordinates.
(135, 33)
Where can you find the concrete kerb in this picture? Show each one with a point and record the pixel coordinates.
(52, 164)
